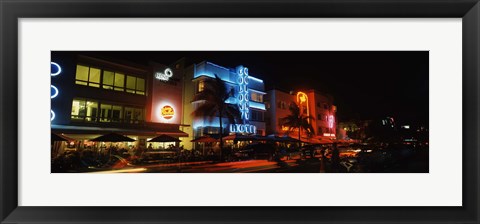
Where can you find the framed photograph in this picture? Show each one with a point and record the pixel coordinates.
(246, 112)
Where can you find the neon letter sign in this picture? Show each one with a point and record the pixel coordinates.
(243, 100)
(165, 75)
(243, 128)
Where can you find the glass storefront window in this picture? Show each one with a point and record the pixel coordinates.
(105, 112)
(116, 113)
(83, 110)
(128, 115)
(133, 115)
(91, 111)
(78, 110)
(139, 114)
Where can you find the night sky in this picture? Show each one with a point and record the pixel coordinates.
(365, 85)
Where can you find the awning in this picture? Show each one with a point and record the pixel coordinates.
(71, 129)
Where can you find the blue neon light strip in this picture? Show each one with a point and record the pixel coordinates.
(211, 76)
(231, 100)
(257, 91)
(55, 90)
(210, 63)
(255, 79)
(257, 105)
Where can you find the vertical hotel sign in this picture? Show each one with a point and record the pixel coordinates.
(243, 101)
(243, 104)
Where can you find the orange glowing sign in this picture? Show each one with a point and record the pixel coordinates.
(167, 112)
(302, 100)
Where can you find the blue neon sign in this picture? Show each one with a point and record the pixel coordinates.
(52, 115)
(55, 69)
(243, 99)
(53, 91)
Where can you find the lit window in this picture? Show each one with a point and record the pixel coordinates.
(78, 110)
(87, 76)
(282, 105)
(116, 113)
(94, 78)
(108, 79)
(140, 86)
(256, 97)
(105, 112)
(131, 84)
(91, 111)
(83, 110)
(133, 115)
(81, 76)
(110, 113)
(119, 82)
(201, 85)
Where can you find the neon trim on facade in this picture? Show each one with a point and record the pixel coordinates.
(59, 69)
(53, 91)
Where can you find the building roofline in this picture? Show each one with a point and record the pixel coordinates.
(115, 62)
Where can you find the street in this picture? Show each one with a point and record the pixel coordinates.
(250, 166)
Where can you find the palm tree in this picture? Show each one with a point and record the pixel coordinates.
(296, 119)
(214, 95)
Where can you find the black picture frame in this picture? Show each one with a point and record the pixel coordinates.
(11, 11)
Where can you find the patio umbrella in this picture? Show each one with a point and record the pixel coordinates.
(205, 138)
(59, 138)
(275, 138)
(325, 141)
(164, 138)
(288, 139)
(112, 137)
